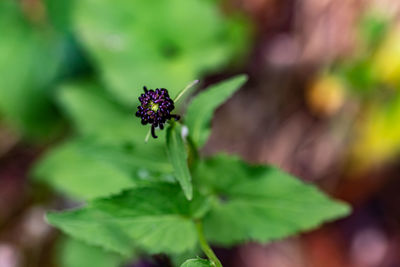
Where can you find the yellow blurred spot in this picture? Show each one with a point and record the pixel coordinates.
(386, 62)
(378, 135)
(325, 96)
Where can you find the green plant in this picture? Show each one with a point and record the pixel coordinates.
(220, 199)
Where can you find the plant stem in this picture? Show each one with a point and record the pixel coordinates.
(184, 90)
(205, 246)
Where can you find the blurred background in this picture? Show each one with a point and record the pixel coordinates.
(322, 102)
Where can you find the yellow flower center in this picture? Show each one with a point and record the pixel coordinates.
(153, 106)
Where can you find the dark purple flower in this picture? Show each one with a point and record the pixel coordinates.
(155, 108)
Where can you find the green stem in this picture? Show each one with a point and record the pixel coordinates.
(205, 246)
(184, 90)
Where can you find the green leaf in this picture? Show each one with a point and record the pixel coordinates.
(200, 111)
(74, 253)
(196, 263)
(133, 48)
(96, 116)
(260, 203)
(59, 13)
(29, 60)
(156, 218)
(178, 156)
(87, 170)
(79, 171)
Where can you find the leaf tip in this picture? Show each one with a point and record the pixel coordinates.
(189, 193)
(243, 78)
(49, 218)
(344, 209)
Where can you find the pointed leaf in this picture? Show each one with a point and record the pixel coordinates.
(156, 218)
(200, 111)
(178, 156)
(261, 203)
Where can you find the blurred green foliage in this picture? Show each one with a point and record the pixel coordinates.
(108, 148)
(95, 115)
(129, 44)
(158, 43)
(73, 253)
(29, 60)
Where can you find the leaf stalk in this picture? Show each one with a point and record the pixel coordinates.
(205, 246)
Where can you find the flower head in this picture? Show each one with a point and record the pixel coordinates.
(155, 108)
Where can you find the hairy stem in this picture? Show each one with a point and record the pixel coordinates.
(184, 90)
(205, 246)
